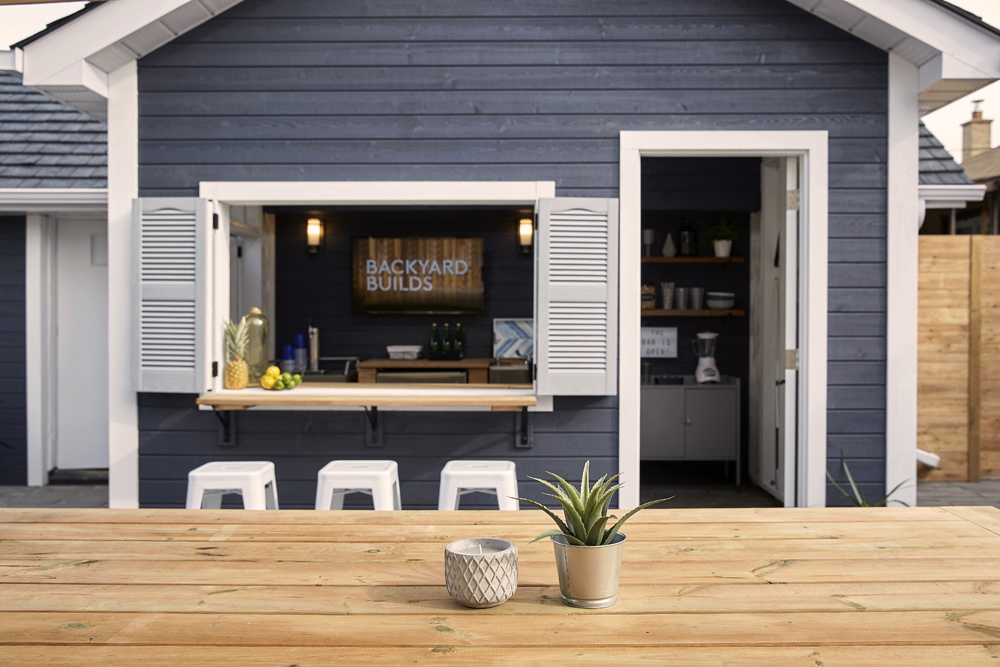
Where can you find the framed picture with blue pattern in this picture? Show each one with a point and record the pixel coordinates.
(513, 338)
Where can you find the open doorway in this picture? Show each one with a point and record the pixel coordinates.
(715, 331)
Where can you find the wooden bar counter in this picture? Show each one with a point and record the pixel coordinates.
(804, 587)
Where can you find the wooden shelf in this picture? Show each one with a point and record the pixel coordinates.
(693, 313)
(347, 396)
(692, 260)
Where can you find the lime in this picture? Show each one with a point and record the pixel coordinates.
(279, 385)
(286, 377)
(297, 378)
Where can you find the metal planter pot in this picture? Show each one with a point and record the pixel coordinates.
(588, 576)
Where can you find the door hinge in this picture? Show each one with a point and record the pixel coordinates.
(791, 360)
(215, 369)
(215, 221)
(793, 200)
(239, 252)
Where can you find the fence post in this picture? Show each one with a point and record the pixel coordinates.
(975, 340)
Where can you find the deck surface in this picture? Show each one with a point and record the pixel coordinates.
(767, 586)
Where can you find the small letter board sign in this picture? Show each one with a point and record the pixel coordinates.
(659, 342)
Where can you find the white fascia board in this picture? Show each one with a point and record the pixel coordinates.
(945, 46)
(87, 34)
(34, 200)
(359, 193)
(951, 196)
(72, 63)
(10, 61)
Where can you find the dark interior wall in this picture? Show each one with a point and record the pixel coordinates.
(13, 397)
(699, 191)
(538, 90)
(318, 287)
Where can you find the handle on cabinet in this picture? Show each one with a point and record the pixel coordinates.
(687, 421)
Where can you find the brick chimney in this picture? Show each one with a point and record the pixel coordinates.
(976, 133)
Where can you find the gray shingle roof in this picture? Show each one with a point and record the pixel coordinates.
(937, 167)
(46, 144)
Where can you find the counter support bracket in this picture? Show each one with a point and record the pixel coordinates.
(524, 434)
(373, 427)
(228, 421)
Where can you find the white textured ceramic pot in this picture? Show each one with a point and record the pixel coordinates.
(588, 576)
(481, 572)
(723, 248)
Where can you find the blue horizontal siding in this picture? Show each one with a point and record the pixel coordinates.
(437, 90)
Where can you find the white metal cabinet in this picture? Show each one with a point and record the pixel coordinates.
(691, 422)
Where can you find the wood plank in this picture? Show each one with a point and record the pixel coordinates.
(749, 571)
(503, 656)
(985, 517)
(692, 260)
(975, 354)
(431, 551)
(729, 515)
(528, 600)
(463, 627)
(249, 398)
(447, 533)
(425, 363)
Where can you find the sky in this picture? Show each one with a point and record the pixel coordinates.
(20, 21)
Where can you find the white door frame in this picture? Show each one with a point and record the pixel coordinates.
(812, 149)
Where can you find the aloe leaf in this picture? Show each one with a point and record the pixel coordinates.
(610, 533)
(574, 541)
(573, 493)
(548, 533)
(595, 534)
(572, 516)
(552, 486)
(559, 522)
(585, 481)
(854, 487)
(888, 496)
(839, 488)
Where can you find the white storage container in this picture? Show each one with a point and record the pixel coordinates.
(404, 352)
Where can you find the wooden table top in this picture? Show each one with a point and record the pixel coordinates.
(840, 586)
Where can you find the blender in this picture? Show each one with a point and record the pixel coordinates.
(704, 348)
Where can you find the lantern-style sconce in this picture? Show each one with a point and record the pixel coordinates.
(314, 235)
(525, 231)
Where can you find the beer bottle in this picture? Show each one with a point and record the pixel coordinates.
(460, 341)
(436, 346)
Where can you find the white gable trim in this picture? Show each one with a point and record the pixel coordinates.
(51, 200)
(955, 56)
(72, 63)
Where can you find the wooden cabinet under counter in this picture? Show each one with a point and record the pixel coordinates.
(477, 370)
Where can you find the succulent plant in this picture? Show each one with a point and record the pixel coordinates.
(586, 510)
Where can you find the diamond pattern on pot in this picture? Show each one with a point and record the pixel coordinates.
(481, 581)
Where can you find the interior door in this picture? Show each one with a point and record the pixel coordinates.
(82, 344)
(776, 334)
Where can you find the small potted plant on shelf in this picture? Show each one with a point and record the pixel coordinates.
(588, 552)
(722, 235)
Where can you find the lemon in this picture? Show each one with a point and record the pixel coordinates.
(273, 371)
(267, 382)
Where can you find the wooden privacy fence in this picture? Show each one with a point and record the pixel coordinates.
(958, 366)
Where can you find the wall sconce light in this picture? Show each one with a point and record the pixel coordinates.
(525, 230)
(314, 235)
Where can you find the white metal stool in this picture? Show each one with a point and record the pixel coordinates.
(254, 480)
(461, 477)
(378, 479)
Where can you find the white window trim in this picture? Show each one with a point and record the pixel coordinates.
(811, 148)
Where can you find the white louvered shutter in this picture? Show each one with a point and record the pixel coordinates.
(576, 333)
(172, 249)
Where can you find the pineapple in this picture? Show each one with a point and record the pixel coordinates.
(237, 340)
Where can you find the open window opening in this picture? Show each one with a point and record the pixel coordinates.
(369, 266)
